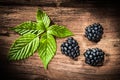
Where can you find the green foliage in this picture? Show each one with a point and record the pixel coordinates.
(29, 41)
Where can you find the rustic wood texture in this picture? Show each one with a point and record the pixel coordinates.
(75, 16)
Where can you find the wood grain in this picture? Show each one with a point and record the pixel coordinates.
(75, 18)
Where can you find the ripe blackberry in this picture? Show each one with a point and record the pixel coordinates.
(70, 48)
(94, 32)
(94, 56)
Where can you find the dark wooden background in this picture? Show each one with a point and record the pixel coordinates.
(75, 15)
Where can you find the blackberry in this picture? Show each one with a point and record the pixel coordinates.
(94, 32)
(94, 57)
(70, 48)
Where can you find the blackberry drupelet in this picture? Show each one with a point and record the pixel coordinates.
(70, 48)
(94, 32)
(94, 57)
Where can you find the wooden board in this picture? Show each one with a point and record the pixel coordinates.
(75, 16)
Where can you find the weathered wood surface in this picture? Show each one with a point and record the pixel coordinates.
(75, 18)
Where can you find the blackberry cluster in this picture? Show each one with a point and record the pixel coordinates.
(94, 57)
(94, 32)
(70, 48)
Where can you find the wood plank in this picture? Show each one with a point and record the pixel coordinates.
(63, 3)
(62, 67)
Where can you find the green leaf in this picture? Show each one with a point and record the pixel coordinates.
(28, 26)
(24, 47)
(59, 31)
(47, 48)
(43, 18)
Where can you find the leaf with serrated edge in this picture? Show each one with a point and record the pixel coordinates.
(24, 47)
(27, 44)
(28, 27)
(59, 31)
(43, 18)
(47, 48)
